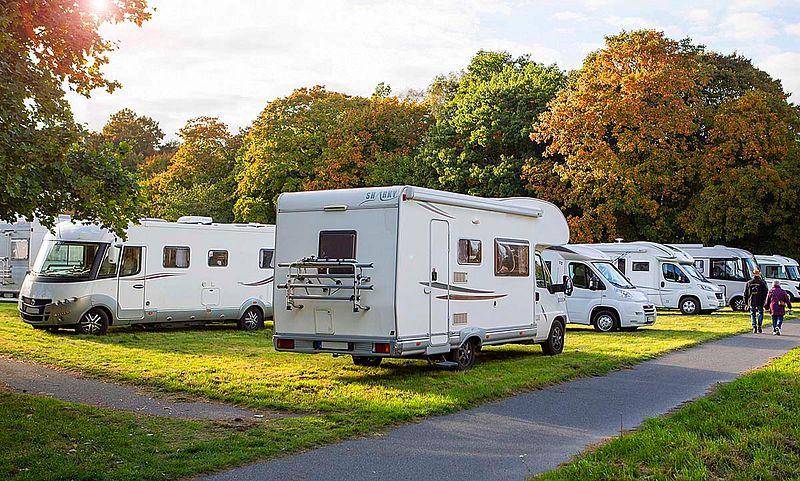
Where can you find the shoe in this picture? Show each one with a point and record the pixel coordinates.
(755, 331)
(759, 330)
(778, 332)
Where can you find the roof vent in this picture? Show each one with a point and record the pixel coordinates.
(619, 240)
(195, 219)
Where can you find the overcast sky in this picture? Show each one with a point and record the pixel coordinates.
(228, 59)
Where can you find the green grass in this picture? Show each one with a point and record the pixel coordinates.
(336, 399)
(748, 429)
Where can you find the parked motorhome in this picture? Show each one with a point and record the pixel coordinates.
(667, 275)
(412, 272)
(602, 296)
(187, 272)
(783, 269)
(19, 244)
(728, 267)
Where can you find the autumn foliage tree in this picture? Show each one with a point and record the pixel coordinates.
(141, 133)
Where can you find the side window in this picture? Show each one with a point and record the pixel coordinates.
(511, 258)
(177, 257)
(621, 264)
(20, 249)
(640, 266)
(131, 263)
(266, 259)
(699, 266)
(673, 273)
(217, 258)
(580, 275)
(542, 274)
(337, 244)
(772, 272)
(108, 266)
(469, 251)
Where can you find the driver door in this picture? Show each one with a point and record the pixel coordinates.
(583, 299)
(673, 281)
(131, 283)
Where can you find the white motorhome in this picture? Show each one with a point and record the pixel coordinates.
(783, 269)
(187, 272)
(411, 272)
(666, 274)
(602, 296)
(19, 243)
(728, 267)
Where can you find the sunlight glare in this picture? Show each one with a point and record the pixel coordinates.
(99, 6)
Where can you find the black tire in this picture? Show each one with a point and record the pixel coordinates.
(94, 322)
(689, 305)
(555, 340)
(252, 320)
(605, 320)
(367, 361)
(464, 356)
(737, 303)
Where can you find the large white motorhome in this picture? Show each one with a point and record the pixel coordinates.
(19, 243)
(187, 272)
(412, 272)
(783, 269)
(728, 267)
(602, 296)
(666, 274)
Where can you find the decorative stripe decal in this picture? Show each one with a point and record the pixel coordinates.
(442, 285)
(463, 297)
(436, 210)
(150, 277)
(258, 283)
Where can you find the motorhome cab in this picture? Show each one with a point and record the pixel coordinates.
(783, 269)
(728, 267)
(413, 272)
(19, 243)
(191, 271)
(602, 296)
(666, 274)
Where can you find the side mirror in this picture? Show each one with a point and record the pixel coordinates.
(569, 286)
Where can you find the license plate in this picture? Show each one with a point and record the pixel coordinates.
(333, 345)
(33, 310)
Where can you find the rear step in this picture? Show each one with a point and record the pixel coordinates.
(446, 364)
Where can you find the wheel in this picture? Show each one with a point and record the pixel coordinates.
(464, 356)
(604, 321)
(737, 304)
(555, 341)
(94, 322)
(252, 320)
(689, 306)
(368, 361)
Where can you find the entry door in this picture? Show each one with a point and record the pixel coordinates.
(439, 282)
(671, 287)
(131, 283)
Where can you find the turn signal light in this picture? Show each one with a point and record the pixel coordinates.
(285, 343)
(381, 347)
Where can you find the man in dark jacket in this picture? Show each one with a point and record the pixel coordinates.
(755, 296)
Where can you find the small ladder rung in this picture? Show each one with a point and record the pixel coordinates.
(324, 298)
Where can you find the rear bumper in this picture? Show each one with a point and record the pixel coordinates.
(356, 346)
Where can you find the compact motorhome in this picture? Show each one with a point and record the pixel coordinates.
(412, 272)
(602, 296)
(19, 243)
(783, 269)
(187, 272)
(728, 267)
(666, 274)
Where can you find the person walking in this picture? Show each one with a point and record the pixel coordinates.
(755, 296)
(777, 302)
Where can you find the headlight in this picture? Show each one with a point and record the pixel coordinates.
(706, 288)
(624, 294)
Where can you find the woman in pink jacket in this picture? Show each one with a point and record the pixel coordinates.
(777, 301)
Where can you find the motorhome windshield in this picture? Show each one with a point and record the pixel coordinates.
(693, 272)
(793, 273)
(613, 275)
(749, 266)
(65, 259)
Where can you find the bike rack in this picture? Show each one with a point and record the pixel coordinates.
(6, 276)
(316, 279)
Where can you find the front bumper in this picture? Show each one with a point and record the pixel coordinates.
(643, 316)
(46, 313)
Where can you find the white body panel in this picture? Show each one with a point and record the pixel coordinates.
(728, 267)
(782, 269)
(423, 300)
(157, 292)
(629, 304)
(651, 267)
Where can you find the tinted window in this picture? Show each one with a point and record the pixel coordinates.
(131, 263)
(774, 272)
(337, 244)
(469, 251)
(640, 266)
(176, 257)
(511, 258)
(727, 269)
(673, 273)
(217, 258)
(266, 259)
(108, 266)
(621, 265)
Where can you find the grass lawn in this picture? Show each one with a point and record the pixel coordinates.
(338, 399)
(748, 429)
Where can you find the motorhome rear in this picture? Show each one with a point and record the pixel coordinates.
(189, 272)
(782, 269)
(413, 272)
(602, 296)
(728, 267)
(666, 274)
(19, 244)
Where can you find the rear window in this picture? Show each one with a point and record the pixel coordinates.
(337, 244)
(266, 259)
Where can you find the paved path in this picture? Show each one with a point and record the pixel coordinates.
(533, 432)
(34, 379)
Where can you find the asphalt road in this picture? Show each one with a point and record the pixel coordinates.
(533, 432)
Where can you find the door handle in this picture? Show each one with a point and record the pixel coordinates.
(537, 297)
(663, 284)
(434, 275)
(138, 286)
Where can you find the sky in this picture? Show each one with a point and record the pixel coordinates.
(229, 59)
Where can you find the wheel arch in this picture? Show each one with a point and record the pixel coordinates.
(266, 311)
(603, 307)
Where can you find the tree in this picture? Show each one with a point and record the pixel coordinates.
(480, 141)
(140, 132)
(44, 45)
(659, 139)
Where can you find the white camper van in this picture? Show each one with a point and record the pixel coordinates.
(783, 269)
(602, 296)
(189, 272)
(728, 267)
(413, 272)
(19, 243)
(666, 274)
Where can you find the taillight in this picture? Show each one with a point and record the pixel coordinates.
(381, 347)
(285, 343)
